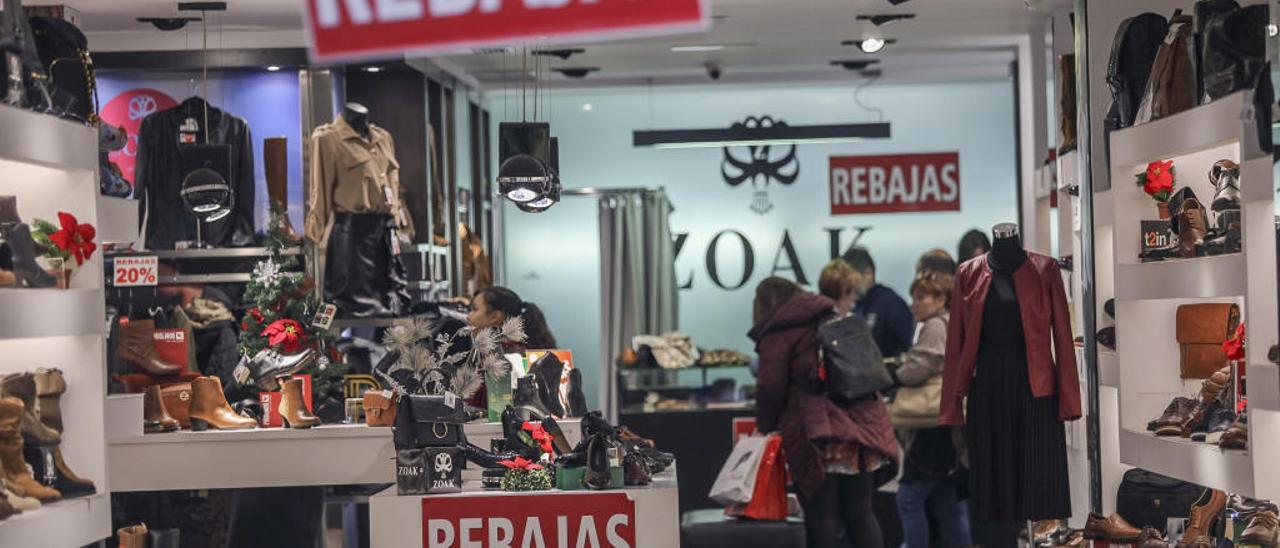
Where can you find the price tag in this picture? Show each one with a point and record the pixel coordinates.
(134, 271)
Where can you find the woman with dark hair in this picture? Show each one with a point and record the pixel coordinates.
(974, 243)
(838, 453)
(492, 306)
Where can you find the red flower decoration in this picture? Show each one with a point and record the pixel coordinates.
(257, 314)
(74, 238)
(1158, 180)
(539, 435)
(1234, 347)
(287, 334)
(520, 463)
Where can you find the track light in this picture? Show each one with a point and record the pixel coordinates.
(523, 178)
(855, 64)
(575, 72)
(885, 19)
(870, 45)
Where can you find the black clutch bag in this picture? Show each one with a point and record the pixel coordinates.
(429, 421)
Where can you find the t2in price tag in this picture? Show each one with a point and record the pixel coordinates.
(134, 271)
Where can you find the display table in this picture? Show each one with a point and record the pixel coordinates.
(641, 517)
(270, 457)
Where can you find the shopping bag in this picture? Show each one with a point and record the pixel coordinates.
(737, 479)
(769, 498)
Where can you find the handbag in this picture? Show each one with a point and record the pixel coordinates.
(177, 401)
(1133, 50)
(769, 497)
(429, 421)
(737, 478)
(1148, 499)
(854, 366)
(379, 408)
(917, 406)
(1234, 49)
(1173, 83)
(1201, 329)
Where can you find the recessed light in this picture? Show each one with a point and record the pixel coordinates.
(273, 68)
(885, 19)
(373, 69)
(1272, 30)
(872, 45)
(689, 49)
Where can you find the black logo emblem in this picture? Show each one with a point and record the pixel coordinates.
(759, 164)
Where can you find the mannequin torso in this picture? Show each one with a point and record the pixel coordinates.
(357, 116)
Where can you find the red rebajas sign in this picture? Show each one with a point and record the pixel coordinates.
(344, 29)
(894, 183)
(606, 520)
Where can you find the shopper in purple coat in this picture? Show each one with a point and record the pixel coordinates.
(837, 454)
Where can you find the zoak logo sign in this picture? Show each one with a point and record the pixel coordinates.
(759, 164)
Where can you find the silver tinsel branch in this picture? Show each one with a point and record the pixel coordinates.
(466, 370)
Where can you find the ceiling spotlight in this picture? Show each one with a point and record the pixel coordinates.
(168, 23)
(870, 45)
(373, 69)
(697, 48)
(545, 201)
(1272, 30)
(524, 178)
(273, 68)
(885, 19)
(575, 72)
(855, 64)
(561, 53)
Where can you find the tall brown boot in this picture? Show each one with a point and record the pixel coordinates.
(34, 431)
(133, 536)
(275, 158)
(138, 349)
(49, 389)
(293, 408)
(16, 474)
(209, 407)
(155, 417)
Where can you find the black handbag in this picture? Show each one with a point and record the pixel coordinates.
(855, 368)
(1132, 53)
(1234, 50)
(429, 421)
(429, 470)
(1148, 499)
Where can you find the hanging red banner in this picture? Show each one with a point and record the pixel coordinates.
(346, 29)
(576, 519)
(894, 183)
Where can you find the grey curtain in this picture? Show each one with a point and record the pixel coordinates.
(637, 279)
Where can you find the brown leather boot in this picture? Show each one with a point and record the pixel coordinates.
(275, 158)
(1192, 228)
(49, 389)
(138, 349)
(1264, 529)
(1204, 512)
(293, 408)
(16, 473)
(1112, 527)
(155, 418)
(133, 536)
(209, 407)
(34, 430)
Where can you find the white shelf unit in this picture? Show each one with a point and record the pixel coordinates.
(1148, 294)
(50, 165)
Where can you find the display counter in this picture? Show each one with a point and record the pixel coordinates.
(641, 517)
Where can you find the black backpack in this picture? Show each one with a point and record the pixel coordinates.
(855, 368)
(1132, 54)
(1148, 499)
(64, 52)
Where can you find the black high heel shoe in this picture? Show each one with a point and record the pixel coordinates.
(17, 237)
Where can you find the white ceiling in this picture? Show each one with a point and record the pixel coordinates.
(786, 38)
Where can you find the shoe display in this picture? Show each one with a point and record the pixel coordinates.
(1244, 508)
(548, 371)
(1204, 513)
(21, 504)
(1237, 435)
(275, 160)
(133, 536)
(1192, 228)
(635, 471)
(268, 366)
(34, 431)
(526, 400)
(558, 440)
(1225, 178)
(1113, 528)
(22, 250)
(1170, 422)
(577, 398)
(482, 458)
(293, 409)
(597, 473)
(209, 408)
(1263, 529)
(137, 348)
(50, 468)
(1043, 531)
(16, 474)
(155, 418)
(49, 389)
(1151, 538)
(626, 434)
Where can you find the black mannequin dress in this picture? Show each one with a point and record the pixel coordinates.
(1017, 444)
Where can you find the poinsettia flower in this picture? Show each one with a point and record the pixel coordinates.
(287, 334)
(539, 435)
(520, 463)
(74, 237)
(1159, 178)
(1234, 347)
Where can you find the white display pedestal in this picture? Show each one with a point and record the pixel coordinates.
(269, 457)
(399, 522)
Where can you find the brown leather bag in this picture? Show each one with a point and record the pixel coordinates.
(1201, 330)
(379, 408)
(177, 401)
(1172, 86)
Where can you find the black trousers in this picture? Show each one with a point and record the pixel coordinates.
(842, 504)
(361, 274)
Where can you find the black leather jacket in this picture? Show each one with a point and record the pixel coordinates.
(159, 178)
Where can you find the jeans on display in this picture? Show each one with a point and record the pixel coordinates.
(843, 502)
(918, 500)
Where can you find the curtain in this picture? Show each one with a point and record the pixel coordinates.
(637, 279)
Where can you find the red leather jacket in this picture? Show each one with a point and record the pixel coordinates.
(1045, 320)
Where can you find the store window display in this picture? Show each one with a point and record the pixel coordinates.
(357, 215)
(1007, 308)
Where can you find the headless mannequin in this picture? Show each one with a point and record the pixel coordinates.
(1007, 253)
(357, 116)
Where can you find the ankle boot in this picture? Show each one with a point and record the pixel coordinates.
(275, 158)
(1192, 228)
(21, 504)
(482, 458)
(293, 409)
(15, 467)
(34, 431)
(548, 370)
(577, 398)
(597, 474)
(1225, 178)
(49, 389)
(635, 471)
(526, 401)
(49, 467)
(209, 407)
(17, 237)
(138, 349)
(133, 536)
(155, 418)
(558, 440)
